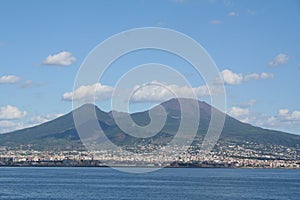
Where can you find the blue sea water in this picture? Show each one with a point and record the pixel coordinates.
(172, 183)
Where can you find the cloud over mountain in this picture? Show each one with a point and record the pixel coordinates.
(86, 93)
(157, 92)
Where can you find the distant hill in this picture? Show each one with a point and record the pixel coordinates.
(61, 133)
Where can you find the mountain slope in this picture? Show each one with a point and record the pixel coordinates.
(61, 132)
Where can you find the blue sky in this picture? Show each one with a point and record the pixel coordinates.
(255, 45)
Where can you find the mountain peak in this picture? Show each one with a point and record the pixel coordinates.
(87, 106)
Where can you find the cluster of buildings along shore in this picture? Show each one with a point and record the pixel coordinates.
(234, 156)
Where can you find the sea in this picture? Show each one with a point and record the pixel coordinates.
(168, 183)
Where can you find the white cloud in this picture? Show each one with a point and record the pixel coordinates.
(63, 58)
(157, 92)
(256, 76)
(8, 126)
(89, 92)
(283, 112)
(39, 119)
(238, 112)
(285, 120)
(232, 14)
(11, 112)
(10, 79)
(8, 115)
(231, 78)
(265, 75)
(216, 22)
(271, 121)
(253, 76)
(11, 124)
(27, 84)
(280, 59)
(153, 92)
(286, 115)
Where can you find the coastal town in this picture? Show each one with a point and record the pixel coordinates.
(225, 155)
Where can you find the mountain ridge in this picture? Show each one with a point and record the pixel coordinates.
(61, 133)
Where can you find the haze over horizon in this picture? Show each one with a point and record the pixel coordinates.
(253, 43)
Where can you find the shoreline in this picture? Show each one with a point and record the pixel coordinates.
(137, 166)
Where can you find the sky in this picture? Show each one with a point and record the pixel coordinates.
(254, 44)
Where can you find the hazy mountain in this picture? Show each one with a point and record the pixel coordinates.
(61, 133)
